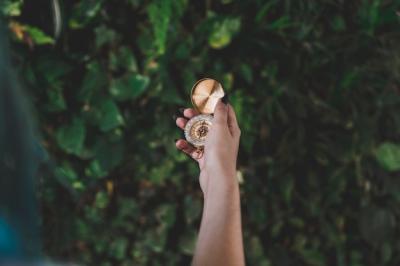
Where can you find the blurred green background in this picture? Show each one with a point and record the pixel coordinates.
(316, 86)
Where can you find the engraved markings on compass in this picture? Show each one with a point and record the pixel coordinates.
(197, 128)
(200, 129)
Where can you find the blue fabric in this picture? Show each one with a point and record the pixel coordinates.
(10, 247)
(20, 155)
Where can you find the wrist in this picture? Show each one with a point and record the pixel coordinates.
(221, 197)
(219, 183)
(220, 173)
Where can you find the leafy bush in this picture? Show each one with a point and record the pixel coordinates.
(316, 85)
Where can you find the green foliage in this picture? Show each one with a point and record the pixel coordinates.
(84, 12)
(70, 137)
(388, 156)
(316, 88)
(129, 87)
(161, 15)
(11, 8)
(108, 116)
(223, 32)
(38, 36)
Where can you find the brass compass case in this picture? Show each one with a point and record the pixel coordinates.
(204, 95)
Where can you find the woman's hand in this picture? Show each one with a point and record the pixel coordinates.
(220, 151)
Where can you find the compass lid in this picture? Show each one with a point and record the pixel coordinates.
(205, 95)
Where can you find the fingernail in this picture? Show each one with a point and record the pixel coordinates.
(176, 140)
(225, 99)
(174, 117)
(181, 110)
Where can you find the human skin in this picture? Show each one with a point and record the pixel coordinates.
(220, 240)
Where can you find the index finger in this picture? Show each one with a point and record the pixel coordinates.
(190, 112)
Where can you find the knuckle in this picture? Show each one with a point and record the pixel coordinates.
(219, 109)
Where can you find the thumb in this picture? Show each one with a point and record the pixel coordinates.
(221, 113)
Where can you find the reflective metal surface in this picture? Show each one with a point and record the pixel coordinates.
(205, 95)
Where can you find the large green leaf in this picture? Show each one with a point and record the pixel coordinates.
(93, 82)
(10, 7)
(118, 248)
(129, 86)
(56, 100)
(123, 59)
(109, 116)
(106, 156)
(69, 178)
(84, 11)
(160, 12)
(53, 69)
(388, 156)
(369, 14)
(223, 32)
(38, 36)
(105, 35)
(71, 137)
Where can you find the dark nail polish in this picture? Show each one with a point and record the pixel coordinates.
(176, 140)
(225, 99)
(174, 117)
(181, 110)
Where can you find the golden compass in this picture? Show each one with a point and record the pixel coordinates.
(205, 95)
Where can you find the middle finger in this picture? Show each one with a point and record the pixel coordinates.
(188, 113)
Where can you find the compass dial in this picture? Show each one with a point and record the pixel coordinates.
(197, 128)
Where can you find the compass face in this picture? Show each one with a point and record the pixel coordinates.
(197, 128)
(205, 95)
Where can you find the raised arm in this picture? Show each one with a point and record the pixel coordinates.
(220, 239)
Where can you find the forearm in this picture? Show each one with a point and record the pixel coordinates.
(220, 238)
